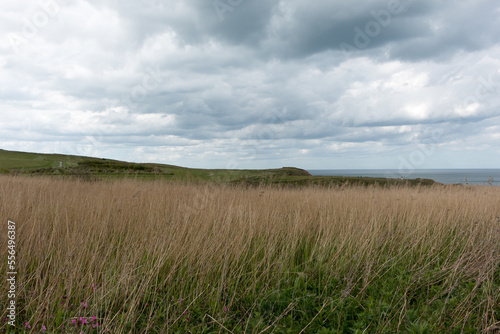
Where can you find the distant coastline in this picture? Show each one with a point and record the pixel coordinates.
(446, 176)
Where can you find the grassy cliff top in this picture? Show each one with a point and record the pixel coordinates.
(90, 168)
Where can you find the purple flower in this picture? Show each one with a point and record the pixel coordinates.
(44, 328)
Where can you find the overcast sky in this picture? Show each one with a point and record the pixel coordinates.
(254, 83)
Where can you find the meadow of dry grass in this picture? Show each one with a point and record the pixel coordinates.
(157, 257)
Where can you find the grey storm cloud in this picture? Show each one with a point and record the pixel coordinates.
(208, 83)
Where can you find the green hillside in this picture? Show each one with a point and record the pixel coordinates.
(12, 162)
(59, 165)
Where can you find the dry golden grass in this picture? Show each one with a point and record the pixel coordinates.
(175, 257)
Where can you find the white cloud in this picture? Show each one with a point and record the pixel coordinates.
(265, 87)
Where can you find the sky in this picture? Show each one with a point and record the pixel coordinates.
(316, 84)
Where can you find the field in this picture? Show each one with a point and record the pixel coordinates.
(132, 256)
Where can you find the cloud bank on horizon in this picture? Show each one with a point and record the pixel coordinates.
(254, 83)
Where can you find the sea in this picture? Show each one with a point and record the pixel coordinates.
(487, 177)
